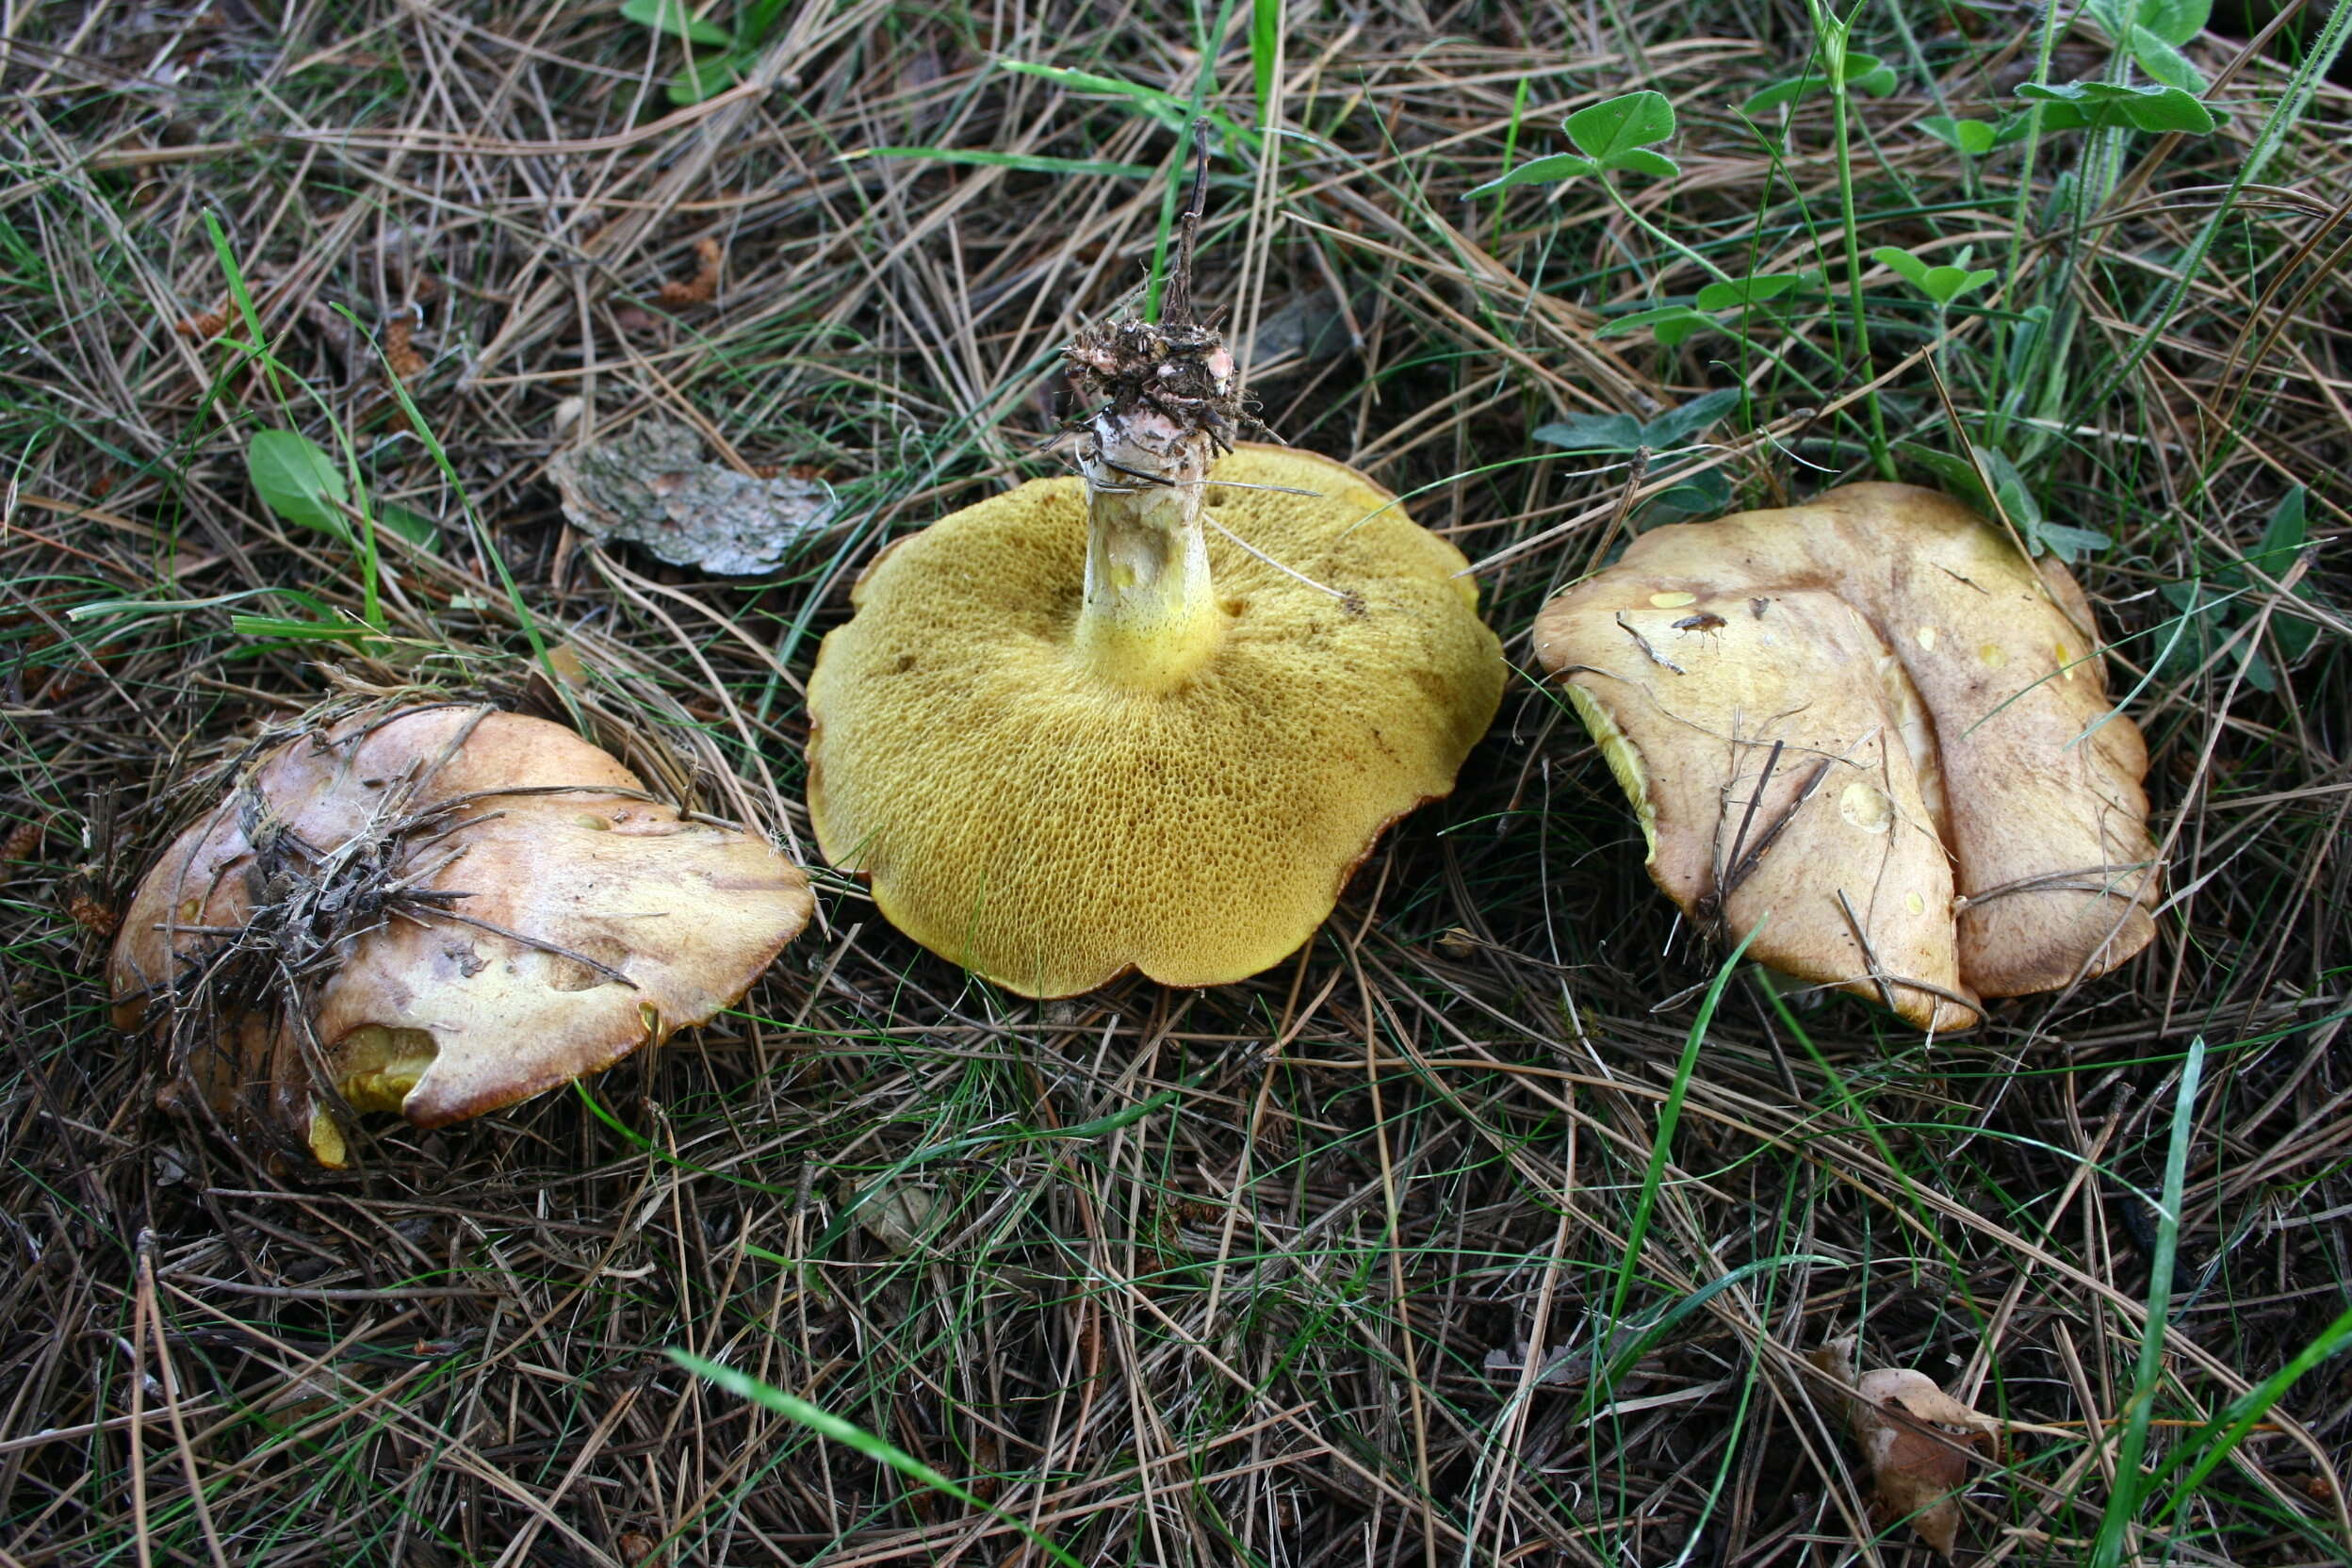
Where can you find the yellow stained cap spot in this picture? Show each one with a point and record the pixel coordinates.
(1994, 655)
(2065, 660)
(1927, 638)
(1673, 600)
(1866, 805)
(1914, 903)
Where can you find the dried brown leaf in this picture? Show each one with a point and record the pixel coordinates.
(705, 287)
(1915, 1437)
(23, 840)
(205, 325)
(400, 355)
(650, 486)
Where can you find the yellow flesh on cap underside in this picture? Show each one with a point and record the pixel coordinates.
(1624, 762)
(1051, 829)
(379, 1066)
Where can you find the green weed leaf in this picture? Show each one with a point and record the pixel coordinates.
(1787, 90)
(1670, 324)
(295, 479)
(301, 632)
(2015, 501)
(1865, 73)
(145, 608)
(1265, 43)
(704, 77)
(1942, 284)
(670, 19)
(2114, 17)
(2019, 504)
(2064, 541)
(850, 1435)
(2161, 61)
(2191, 637)
(1592, 433)
(1562, 166)
(1610, 131)
(1622, 432)
(2283, 538)
(1034, 162)
(414, 527)
(1702, 495)
(1751, 291)
(2175, 21)
(1166, 109)
(1870, 76)
(1695, 417)
(2017, 126)
(2142, 108)
(1642, 160)
(1903, 262)
(1975, 137)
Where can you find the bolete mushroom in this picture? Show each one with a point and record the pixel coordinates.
(1150, 719)
(437, 909)
(1874, 733)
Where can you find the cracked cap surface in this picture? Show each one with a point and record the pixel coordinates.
(442, 1018)
(1872, 727)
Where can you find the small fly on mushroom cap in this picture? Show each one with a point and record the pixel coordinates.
(438, 910)
(1150, 719)
(1872, 727)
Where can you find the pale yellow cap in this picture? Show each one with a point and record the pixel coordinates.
(593, 923)
(1952, 811)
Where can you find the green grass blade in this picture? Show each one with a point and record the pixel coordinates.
(1669, 1114)
(1265, 43)
(850, 1435)
(1031, 162)
(2123, 1504)
(2225, 1431)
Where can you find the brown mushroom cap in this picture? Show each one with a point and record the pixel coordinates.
(1025, 811)
(577, 922)
(1872, 727)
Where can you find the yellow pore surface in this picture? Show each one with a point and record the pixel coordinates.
(1029, 818)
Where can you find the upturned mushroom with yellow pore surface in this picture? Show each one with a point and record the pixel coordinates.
(1149, 719)
(437, 909)
(1871, 731)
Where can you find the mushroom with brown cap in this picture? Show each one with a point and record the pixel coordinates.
(1150, 719)
(1870, 730)
(439, 910)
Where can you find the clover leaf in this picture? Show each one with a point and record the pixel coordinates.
(1975, 137)
(1613, 134)
(2070, 105)
(1942, 284)
(1616, 133)
(1865, 73)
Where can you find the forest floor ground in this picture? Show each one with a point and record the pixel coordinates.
(1432, 1244)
